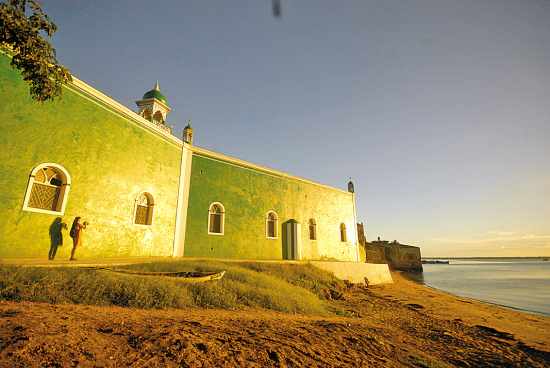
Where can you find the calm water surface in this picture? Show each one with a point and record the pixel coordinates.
(515, 283)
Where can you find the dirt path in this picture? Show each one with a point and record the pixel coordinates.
(393, 326)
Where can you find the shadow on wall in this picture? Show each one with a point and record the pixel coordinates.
(56, 238)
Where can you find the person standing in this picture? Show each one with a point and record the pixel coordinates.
(76, 234)
(56, 238)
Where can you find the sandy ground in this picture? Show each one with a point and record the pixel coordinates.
(398, 325)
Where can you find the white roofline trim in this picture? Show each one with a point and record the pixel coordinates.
(122, 109)
(219, 157)
(77, 83)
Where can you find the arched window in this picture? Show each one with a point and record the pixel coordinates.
(216, 218)
(312, 229)
(146, 114)
(47, 189)
(144, 208)
(158, 117)
(271, 228)
(343, 236)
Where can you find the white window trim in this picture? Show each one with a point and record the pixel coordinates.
(315, 227)
(151, 214)
(222, 221)
(63, 193)
(276, 226)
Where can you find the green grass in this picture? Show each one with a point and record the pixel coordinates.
(282, 287)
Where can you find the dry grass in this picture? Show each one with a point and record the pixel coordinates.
(282, 287)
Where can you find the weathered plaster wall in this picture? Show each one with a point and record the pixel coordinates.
(404, 257)
(110, 160)
(248, 193)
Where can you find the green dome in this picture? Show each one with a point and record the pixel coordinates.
(155, 93)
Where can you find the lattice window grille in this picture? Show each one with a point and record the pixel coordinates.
(216, 223)
(271, 225)
(44, 197)
(142, 215)
(312, 230)
(216, 220)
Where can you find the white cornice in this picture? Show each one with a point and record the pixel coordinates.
(217, 156)
(112, 103)
(78, 84)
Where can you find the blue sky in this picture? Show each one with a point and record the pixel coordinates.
(439, 111)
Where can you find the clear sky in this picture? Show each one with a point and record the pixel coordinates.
(439, 111)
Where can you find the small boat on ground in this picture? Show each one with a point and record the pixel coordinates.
(424, 261)
(191, 276)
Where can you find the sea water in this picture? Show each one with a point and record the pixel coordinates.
(522, 284)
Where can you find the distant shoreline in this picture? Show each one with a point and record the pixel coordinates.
(538, 257)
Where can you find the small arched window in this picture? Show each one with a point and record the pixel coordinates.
(271, 228)
(343, 235)
(312, 229)
(216, 218)
(47, 189)
(158, 117)
(146, 114)
(144, 209)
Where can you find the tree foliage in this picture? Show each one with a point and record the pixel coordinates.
(34, 55)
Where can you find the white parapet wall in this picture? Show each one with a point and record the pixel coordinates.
(354, 272)
(358, 272)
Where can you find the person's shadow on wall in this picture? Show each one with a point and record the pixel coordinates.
(56, 238)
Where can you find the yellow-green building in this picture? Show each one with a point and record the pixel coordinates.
(144, 191)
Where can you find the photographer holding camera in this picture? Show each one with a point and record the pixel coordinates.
(77, 233)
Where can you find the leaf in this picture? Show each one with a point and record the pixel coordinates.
(34, 56)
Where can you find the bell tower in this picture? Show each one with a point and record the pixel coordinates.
(351, 187)
(152, 106)
(188, 134)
